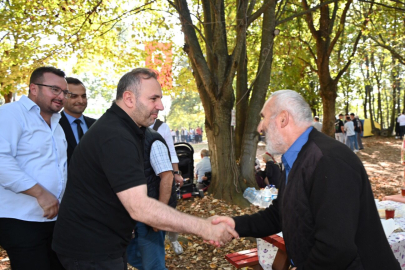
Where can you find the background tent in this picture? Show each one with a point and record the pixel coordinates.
(367, 127)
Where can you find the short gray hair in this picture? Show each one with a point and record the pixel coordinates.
(205, 152)
(295, 104)
(132, 80)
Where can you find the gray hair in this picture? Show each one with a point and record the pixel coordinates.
(205, 152)
(132, 81)
(293, 103)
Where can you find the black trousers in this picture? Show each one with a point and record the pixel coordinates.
(401, 131)
(108, 264)
(28, 244)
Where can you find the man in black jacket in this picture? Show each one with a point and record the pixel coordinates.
(72, 120)
(329, 220)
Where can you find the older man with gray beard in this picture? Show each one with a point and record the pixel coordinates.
(329, 220)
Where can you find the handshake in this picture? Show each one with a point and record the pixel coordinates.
(219, 230)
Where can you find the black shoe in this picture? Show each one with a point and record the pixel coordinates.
(361, 148)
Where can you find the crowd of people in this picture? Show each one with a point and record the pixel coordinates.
(187, 135)
(348, 130)
(73, 194)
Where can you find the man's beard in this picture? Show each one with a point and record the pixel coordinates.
(275, 143)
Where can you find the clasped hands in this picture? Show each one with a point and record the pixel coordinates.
(221, 230)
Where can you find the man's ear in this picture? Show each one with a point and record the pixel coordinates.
(129, 99)
(33, 89)
(284, 118)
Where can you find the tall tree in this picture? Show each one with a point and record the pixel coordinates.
(328, 27)
(217, 57)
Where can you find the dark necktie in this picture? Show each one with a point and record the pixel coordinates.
(79, 128)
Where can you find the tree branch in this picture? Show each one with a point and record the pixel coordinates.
(308, 10)
(394, 53)
(258, 12)
(193, 49)
(310, 20)
(383, 5)
(341, 27)
(356, 43)
(309, 65)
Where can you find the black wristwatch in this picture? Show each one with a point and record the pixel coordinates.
(177, 172)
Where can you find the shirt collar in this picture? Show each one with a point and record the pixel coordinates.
(290, 156)
(139, 131)
(27, 102)
(72, 118)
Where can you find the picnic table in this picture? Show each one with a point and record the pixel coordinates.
(271, 249)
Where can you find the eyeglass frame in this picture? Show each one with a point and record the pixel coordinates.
(66, 93)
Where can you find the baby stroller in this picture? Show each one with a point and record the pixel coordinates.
(185, 153)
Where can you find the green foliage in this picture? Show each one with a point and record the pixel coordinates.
(186, 109)
(105, 36)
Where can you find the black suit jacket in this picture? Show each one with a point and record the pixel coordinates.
(70, 137)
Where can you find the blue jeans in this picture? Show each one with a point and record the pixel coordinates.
(356, 144)
(147, 250)
(352, 140)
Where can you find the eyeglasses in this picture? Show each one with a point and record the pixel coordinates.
(56, 90)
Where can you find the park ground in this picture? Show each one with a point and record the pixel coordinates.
(381, 158)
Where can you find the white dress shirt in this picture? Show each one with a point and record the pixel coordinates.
(164, 130)
(31, 153)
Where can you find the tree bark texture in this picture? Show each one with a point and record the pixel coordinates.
(258, 97)
(214, 72)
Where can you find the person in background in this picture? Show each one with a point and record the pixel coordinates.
(177, 135)
(202, 167)
(198, 133)
(350, 134)
(359, 129)
(173, 133)
(72, 120)
(272, 171)
(328, 221)
(347, 142)
(163, 129)
(355, 125)
(146, 251)
(33, 171)
(340, 129)
(397, 128)
(316, 124)
(401, 121)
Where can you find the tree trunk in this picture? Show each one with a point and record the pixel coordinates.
(8, 97)
(242, 101)
(260, 86)
(223, 163)
(328, 95)
(394, 98)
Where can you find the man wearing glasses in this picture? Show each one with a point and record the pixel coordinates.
(73, 122)
(33, 171)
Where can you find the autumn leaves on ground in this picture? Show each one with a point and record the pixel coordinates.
(381, 158)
